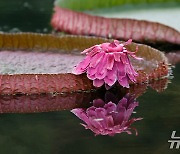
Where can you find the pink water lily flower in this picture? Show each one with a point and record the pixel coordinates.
(107, 63)
(108, 119)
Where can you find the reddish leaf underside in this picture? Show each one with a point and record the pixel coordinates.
(139, 30)
(19, 51)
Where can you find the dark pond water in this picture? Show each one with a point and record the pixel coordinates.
(60, 131)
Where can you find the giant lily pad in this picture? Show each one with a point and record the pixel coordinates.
(94, 4)
(38, 63)
(139, 30)
(152, 10)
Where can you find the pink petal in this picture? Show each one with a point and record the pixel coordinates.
(110, 122)
(80, 113)
(91, 112)
(119, 116)
(128, 114)
(81, 67)
(133, 105)
(91, 77)
(124, 57)
(101, 74)
(96, 59)
(94, 123)
(98, 103)
(101, 112)
(120, 70)
(94, 66)
(117, 56)
(110, 107)
(94, 51)
(110, 61)
(132, 78)
(128, 42)
(116, 42)
(98, 83)
(122, 103)
(112, 74)
(130, 70)
(101, 116)
(110, 82)
(107, 87)
(92, 71)
(131, 74)
(124, 82)
(102, 68)
(89, 49)
(105, 46)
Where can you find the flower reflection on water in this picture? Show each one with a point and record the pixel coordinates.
(109, 118)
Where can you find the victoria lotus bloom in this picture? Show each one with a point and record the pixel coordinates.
(108, 63)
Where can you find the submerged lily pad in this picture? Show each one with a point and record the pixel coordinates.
(38, 63)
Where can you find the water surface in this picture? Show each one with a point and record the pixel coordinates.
(60, 131)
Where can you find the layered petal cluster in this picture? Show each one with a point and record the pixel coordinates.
(108, 63)
(108, 119)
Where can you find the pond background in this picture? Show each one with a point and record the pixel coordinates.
(60, 132)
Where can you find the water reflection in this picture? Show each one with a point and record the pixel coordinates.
(114, 115)
(103, 112)
(59, 102)
(43, 102)
(109, 118)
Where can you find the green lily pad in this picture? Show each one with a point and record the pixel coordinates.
(94, 4)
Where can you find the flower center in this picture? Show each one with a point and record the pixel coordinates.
(111, 47)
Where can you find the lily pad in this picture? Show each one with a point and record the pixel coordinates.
(79, 23)
(94, 4)
(41, 63)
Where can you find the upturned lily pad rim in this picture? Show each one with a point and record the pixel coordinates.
(140, 30)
